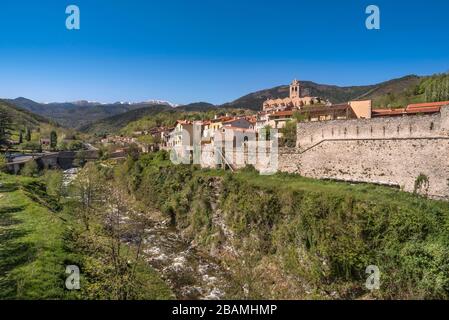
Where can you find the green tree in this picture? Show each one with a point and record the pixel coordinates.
(53, 140)
(5, 126)
(80, 159)
(3, 163)
(30, 169)
(28, 135)
(88, 190)
(20, 137)
(54, 183)
(75, 145)
(289, 134)
(62, 146)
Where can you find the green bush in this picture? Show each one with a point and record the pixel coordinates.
(30, 169)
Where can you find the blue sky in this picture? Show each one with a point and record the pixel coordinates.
(211, 50)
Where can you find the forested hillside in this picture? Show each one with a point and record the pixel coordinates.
(412, 90)
(22, 118)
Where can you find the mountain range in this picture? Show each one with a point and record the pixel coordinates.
(85, 115)
(80, 113)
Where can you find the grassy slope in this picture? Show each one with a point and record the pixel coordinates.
(31, 249)
(34, 248)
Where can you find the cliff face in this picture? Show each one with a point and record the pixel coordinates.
(289, 237)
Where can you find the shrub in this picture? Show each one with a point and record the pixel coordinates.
(421, 184)
(289, 134)
(30, 169)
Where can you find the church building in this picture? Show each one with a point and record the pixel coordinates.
(296, 100)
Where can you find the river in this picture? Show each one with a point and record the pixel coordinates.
(190, 273)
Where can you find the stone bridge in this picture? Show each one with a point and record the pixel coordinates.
(64, 159)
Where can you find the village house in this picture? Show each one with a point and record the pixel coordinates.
(217, 123)
(239, 122)
(165, 137)
(44, 142)
(179, 134)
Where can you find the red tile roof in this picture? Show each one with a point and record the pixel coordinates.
(388, 112)
(184, 122)
(427, 105)
(423, 110)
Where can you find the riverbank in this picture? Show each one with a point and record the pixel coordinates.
(288, 237)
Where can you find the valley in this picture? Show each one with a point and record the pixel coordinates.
(103, 194)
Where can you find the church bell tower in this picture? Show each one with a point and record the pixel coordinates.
(295, 89)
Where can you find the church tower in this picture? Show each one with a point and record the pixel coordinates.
(295, 89)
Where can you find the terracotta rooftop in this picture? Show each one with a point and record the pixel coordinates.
(222, 119)
(430, 107)
(423, 110)
(427, 105)
(184, 122)
(387, 112)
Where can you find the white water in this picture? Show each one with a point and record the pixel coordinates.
(190, 274)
